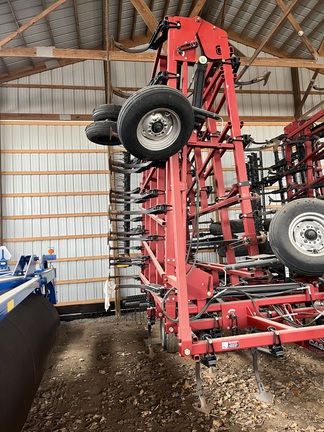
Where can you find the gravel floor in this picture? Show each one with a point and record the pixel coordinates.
(101, 379)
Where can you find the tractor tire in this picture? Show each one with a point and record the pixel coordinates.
(155, 123)
(169, 341)
(99, 133)
(296, 236)
(106, 112)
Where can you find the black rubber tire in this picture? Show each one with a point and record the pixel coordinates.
(106, 112)
(288, 236)
(169, 341)
(99, 132)
(160, 106)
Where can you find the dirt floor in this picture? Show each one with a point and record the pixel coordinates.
(101, 379)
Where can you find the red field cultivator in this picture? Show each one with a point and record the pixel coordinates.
(219, 273)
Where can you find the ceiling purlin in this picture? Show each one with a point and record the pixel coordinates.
(224, 14)
(179, 7)
(134, 20)
(319, 27)
(17, 25)
(5, 67)
(298, 29)
(151, 5)
(165, 9)
(268, 37)
(120, 13)
(77, 22)
(321, 48)
(48, 25)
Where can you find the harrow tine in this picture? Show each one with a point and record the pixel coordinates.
(140, 230)
(156, 210)
(135, 191)
(203, 406)
(148, 341)
(131, 165)
(263, 395)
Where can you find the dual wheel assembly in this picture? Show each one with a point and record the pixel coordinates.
(153, 124)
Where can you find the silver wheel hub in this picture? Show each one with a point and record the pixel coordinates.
(306, 233)
(158, 129)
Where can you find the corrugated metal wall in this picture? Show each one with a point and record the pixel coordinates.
(55, 182)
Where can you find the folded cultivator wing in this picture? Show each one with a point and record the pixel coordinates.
(218, 272)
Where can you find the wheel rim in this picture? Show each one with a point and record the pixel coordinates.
(306, 234)
(158, 129)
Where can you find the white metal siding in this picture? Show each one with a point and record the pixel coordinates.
(72, 216)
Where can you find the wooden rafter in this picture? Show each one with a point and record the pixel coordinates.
(10, 118)
(43, 66)
(299, 108)
(318, 28)
(100, 54)
(268, 37)
(146, 14)
(321, 49)
(310, 111)
(151, 5)
(298, 29)
(52, 52)
(34, 20)
(134, 89)
(197, 8)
